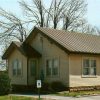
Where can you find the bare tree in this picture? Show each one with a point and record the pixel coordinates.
(97, 30)
(64, 14)
(35, 12)
(68, 12)
(85, 27)
(56, 10)
(73, 14)
(11, 27)
(2, 65)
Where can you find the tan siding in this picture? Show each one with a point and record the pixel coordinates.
(50, 50)
(76, 78)
(21, 79)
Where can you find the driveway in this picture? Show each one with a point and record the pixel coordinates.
(52, 97)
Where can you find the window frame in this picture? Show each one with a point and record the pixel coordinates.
(49, 70)
(52, 60)
(89, 68)
(18, 64)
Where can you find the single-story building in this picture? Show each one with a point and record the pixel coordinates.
(69, 57)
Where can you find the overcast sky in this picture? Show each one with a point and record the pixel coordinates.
(93, 14)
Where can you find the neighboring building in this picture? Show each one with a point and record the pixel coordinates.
(72, 58)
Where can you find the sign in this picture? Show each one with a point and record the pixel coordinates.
(38, 83)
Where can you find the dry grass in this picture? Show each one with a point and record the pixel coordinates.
(78, 93)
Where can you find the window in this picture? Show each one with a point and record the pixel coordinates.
(89, 67)
(32, 67)
(17, 67)
(15, 62)
(55, 67)
(52, 67)
(49, 67)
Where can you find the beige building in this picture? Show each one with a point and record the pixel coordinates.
(72, 58)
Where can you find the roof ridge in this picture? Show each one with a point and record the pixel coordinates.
(72, 32)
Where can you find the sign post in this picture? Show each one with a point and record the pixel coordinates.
(39, 86)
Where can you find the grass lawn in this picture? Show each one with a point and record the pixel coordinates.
(16, 98)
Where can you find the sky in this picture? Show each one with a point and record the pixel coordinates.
(93, 9)
(92, 15)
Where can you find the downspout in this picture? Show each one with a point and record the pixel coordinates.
(41, 76)
(27, 70)
(7, 68)
(69, 72)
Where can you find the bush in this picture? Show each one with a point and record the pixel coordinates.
(22, 88)
(4, 84)
(45, 86)
(58, 86)
(55, 86)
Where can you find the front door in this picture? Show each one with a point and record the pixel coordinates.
(33, 67)
(32, 71)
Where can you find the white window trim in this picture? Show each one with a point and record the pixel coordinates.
(89, 76)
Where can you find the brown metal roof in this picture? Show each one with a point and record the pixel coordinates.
(25, 49)
(73, 42)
